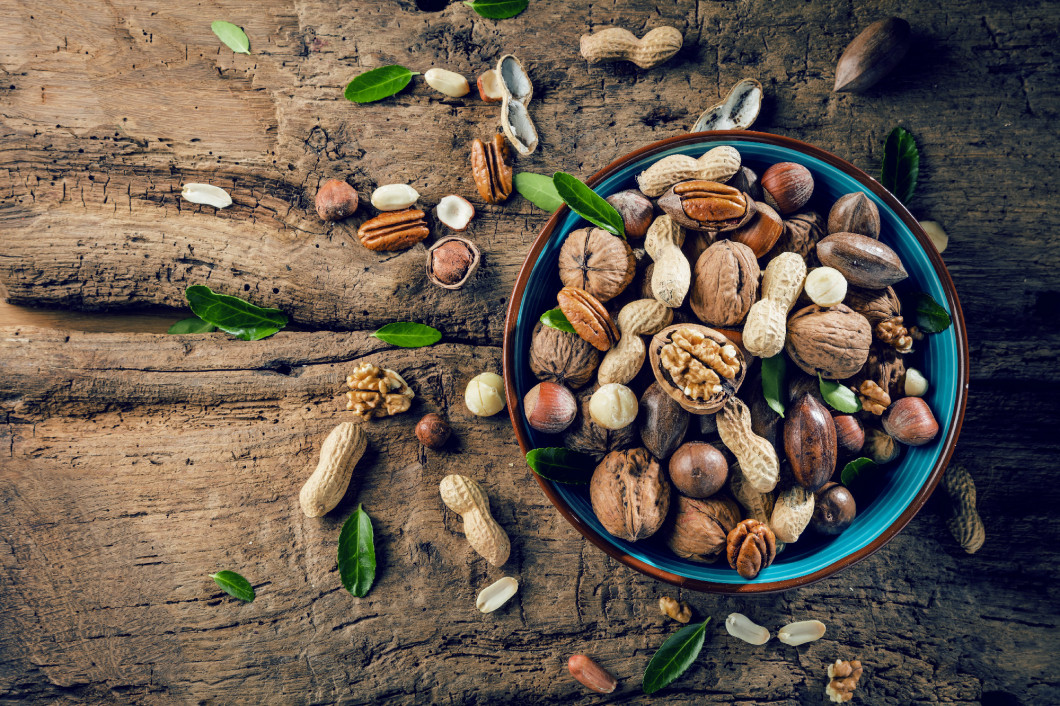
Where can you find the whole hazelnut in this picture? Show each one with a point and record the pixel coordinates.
(549, 407)
(433, 431)
(910, 421)
(451, 262)
(698, 470)
(849, 433)
(636, 211)
(336, 200)
(787, 186)
(833, 510)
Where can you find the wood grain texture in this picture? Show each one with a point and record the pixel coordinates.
(137, 464)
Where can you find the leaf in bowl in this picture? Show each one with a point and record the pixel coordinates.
(561, 465)
(588, 204)
(840, 397)
(556, 319)
(930, 317)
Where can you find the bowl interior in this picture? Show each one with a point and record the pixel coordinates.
(936, 356)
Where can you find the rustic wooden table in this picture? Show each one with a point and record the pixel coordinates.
(138, 463)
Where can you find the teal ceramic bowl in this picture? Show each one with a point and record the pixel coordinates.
(943, 358)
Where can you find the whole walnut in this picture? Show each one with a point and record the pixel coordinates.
(700, 527)
(876, 305)
(630, 495)
(885, 367)
(596, 261)
(725, 283)
(588, 437)
(565, 358)
(801, 233)
(833, 342)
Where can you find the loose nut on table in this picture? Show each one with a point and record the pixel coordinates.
(588, 317)
(964, 523)
(707, 206)
(335, 200)
(864, 261)
(496, 594)
(810, 442)
(465, 497)
(671, 272)
(742, 628)
(339, 453)
(636, 211)
(717, 164)
(515, 119)
(750, 547)
(832, 342)
(662, 422)
(938, 236)
(549, 407)
(448, 82)
(489, 86)
(492, 169)
(757, 458)
(872, 54)
(206, 195)
(801, 632)
(787, 187)
(377, 392)
(825, 286)
(699, 527)
(394, 230)
(484, 395)
(910, 421)
(843, 679)
(452, 261)
(854, 213)
(698, 470)
(394, 197)
(672, 608)
(433, 431)
(591, 674)
(724, 283)
(833, 509)
(615, 43)
(596, 261)
(737, 111)
(629, 494)
(561, 357)
(766, 324)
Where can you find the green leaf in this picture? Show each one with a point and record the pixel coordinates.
(378, 84)
(234, 315)
(233, 37)
(930, 317)
(853, 470)
(774, 371)
(901, 164)
(408, 334)
(497, 9)
(539, 190)
(192, 324)
(357, 553)
(234, 585)
(560, 465)
(674, 657)
(557, 320)
(839, 396)
(588, 204)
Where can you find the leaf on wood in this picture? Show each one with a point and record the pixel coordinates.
(497, 9)
(407, 334)
(901, 164)
(588, 204)
(556, 319)
(234, 315)
(192, 324)
(675, 656)
(930, 316)
(234, 585)
(774, 370)
(539, 190)
(357, 553)
(233, 37)
(839, 396)
(378, 84)
(560, 465)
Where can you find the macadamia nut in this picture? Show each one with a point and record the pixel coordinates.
(826, 286)
(916, 385)
(613, 406)
(484, 395)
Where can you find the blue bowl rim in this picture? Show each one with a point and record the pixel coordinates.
(948, 444)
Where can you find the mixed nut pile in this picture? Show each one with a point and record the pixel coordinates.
(686, 427)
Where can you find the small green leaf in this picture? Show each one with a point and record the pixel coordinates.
(557, 320)
(862, 478)
(774, 371)
(539, 190)
(408, 334)
(497, 9)
(855, 468)
(357, 553)
(839, 396)
(234, 585)
(674, 657)
(930, 317)
(233, 37)
(588, 204)
(560, 465)
(901, 164)
(378, 84)
(234, 315)
(192, 324)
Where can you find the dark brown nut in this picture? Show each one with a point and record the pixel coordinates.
(433, 431)
(876, 305)
(698, 470)
(708, 423)
(750, 547)
(872, 55)
(707, 206)
(394, 230)
(832, 342)
(662, 422)
(880, 447)
(700, 527)
(849, 433)
(588, 317)
(799, 385)
(451, 262)
(549, 407)
(787, 187)
(765, 422)
(586, 436)
(854, 213)
(336, 200)
(810, 442)
(636, 209)
(833, 509)
(910, 421)
(762, 232)
(596, 261)
(697, 366)
(561, 357)
(746, 180)
(492, 168)
(724, 283)
(864, 261)
(801, 233)
(629, 494)
(886, 368)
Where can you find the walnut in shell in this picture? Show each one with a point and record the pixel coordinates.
(832, 342)
(596, 261)
(725, 283)
(697, 366)
(801, 233)
(876, 305)
(588, 437)
(629, 494)
(700, 527)
(561, 357)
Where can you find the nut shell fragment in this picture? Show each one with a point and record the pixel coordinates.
(699, 367)
(737, 111)
(452, 261)
(515, 119)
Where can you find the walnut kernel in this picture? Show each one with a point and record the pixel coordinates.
(843, 676)
(377, 392)
(873, 398)
(695, 362)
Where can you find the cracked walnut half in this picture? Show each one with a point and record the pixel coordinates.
(695, 362)
(377, 392)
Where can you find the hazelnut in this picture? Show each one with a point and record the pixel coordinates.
(854, 213)
(833, 509)
(910, 421)
(849, 433)
(336, 200)
(451, 262)
(636, 211)
(613, 406)
(586, 436)
(433, 431)
(629, 494)
(698, 470)
(787, 186)
(484, 395)
(549, 407)
(880, 447)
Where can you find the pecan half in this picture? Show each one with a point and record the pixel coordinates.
(394, 230)
(750, 547)
(707, 206)
(588, 317)
(492, 168)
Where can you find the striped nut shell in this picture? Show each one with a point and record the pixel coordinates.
(492, 169)
(394, 230)
(588, 317)
(757, 458)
